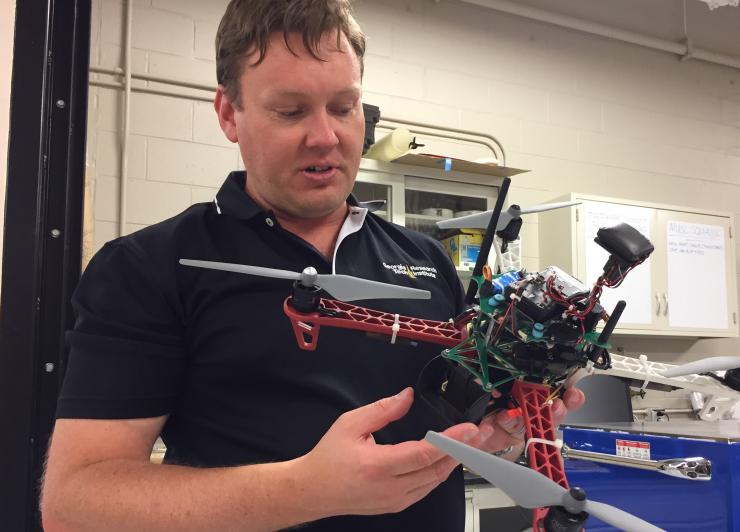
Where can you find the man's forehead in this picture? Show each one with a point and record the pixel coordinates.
(293, 44)
(290, 93)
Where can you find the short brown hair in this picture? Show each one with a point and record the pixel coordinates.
(248, 24)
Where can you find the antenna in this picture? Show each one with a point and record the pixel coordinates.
(485, 247)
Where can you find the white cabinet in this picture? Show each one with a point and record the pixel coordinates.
(688, 286)
(418, 196)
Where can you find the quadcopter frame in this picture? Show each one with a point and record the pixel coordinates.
(482, 339)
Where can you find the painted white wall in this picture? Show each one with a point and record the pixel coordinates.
(7, 25)
(584, 114)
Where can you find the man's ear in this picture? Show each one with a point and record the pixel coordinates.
(225, 112)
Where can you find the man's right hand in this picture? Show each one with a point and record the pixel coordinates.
(99, 477)
(349, 473)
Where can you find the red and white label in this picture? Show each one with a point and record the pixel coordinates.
(633, 449)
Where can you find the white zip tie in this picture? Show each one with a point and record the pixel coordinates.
(643, 362)
(218, 209)
(396, 327)
(557, 443)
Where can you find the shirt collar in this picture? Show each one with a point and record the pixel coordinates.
(233, 200)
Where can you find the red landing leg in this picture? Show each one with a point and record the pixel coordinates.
(537, 416)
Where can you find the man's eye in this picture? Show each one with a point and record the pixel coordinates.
(290, 113)
(342, 111)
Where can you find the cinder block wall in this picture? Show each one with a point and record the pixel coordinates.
(582, 113)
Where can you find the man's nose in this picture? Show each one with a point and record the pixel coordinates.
(321, 132)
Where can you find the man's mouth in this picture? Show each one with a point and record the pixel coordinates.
(318, 169)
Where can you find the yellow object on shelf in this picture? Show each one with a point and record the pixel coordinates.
(392, 146)
(464, 247)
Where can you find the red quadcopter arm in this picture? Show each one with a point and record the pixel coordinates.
(335, 313)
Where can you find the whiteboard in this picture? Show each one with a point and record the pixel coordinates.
(636, 289)
(696, 266)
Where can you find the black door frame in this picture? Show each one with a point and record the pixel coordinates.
(43, 238)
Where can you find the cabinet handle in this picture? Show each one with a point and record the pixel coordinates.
(693, 468)
(657, 304)
(665, 299)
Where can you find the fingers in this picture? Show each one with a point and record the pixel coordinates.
(410, 456)
(509, 422)
(373, 417)
(574, 398)
(513, 426)
(505, 430)
(558, 412)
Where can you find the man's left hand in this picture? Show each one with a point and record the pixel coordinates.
(499, 431)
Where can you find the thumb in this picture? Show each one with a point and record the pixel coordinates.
(369, 418)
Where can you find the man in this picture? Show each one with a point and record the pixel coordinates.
(260, 434)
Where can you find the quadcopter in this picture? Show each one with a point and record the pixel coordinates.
(521, 334)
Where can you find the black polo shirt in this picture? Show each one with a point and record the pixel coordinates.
(215, 352)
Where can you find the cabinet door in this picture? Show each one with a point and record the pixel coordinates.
(428, 201)
(365, 191)
(374, 185)
(637, 289)
(699, 293)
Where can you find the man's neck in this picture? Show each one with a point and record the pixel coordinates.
(321, 233)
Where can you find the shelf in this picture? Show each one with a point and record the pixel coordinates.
(437, 162)
(424, 217)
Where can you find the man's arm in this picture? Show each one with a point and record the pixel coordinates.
(99, 477)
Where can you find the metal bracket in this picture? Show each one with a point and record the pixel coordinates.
(715, 407)
(689, 50)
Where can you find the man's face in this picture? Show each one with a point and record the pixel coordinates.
(301, 127)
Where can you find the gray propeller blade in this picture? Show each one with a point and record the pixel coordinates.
(703, 366)
(531, 489)
(342, 287)
(480, 220)
(242, 268)
(372, 205)
(618, 518)
(549, 207)
(348, 288)
(526, 487)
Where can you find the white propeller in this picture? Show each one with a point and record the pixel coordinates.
(480, 220)
(531, 489)
(342, 287)
(704, 366)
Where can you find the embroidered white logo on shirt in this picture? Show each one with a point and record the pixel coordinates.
(411, 271)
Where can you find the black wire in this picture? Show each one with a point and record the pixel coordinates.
(714, 376)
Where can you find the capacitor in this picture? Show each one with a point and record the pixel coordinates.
(538, 330)
(497, 299)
